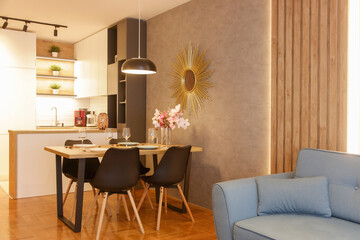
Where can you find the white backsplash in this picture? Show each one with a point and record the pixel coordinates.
(65, 108)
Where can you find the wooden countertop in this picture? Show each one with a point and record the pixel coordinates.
(55, 130)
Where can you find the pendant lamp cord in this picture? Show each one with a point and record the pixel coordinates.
(139, 33)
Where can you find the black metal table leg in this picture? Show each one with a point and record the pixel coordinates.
(79, 197)
(157, 189)
(59, 200)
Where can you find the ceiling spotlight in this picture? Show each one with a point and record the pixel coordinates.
(5, 24)
(55, 32)
(25, 27)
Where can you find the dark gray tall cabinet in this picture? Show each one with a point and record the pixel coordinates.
(127, 93)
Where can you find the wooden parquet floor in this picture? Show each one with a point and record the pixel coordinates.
(35, 219)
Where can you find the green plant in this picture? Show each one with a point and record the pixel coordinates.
(54, 48)
(55, 67)
(55, 86)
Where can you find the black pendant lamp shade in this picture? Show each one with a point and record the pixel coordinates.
(138, 66)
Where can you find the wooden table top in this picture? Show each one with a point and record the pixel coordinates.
(75, 152)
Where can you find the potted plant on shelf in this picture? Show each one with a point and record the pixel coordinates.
(55, 88)
(54, 51)
(55, 69)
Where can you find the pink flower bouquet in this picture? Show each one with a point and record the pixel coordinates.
(170, 118)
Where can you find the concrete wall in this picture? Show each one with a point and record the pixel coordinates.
(234, 129)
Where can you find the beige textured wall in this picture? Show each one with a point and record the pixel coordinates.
(234, 129)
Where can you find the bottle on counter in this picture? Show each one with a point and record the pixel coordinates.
(91, 119)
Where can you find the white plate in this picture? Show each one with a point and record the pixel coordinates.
(128, 143)
(84, 145)
(148, 147)
(98, 149)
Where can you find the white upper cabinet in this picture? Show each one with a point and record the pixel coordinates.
(91, 65)
(17, 49)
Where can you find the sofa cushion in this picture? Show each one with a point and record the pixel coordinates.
(296, 227)
(343, 173)
(300, 195)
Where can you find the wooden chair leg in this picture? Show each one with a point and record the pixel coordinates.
(67, 191)
(74, 204)
(133, 193)
(165, 200)
(92, 207)
(159, 208)
(94, 192)
(108, 210)
(135, 211)
(125, 207)
(101, 215)
(147, 194)
(118, 205)
(141, 199)
(185, 202)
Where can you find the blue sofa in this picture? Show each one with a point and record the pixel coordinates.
(235, 203)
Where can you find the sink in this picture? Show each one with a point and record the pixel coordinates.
(55, 127)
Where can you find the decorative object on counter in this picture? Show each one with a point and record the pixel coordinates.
(138, 65)
(103, 121)
(167, 121)
(54, 51)
(80, 117)
(55, 88)
(55, 69)
(191, 74)
(91, 119)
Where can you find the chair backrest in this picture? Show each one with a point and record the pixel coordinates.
(70, 166)
(119, 170)
(343, 173)
(172, 166)
(73, 142)
(116, 140)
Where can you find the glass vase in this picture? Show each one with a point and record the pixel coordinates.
(165, 138)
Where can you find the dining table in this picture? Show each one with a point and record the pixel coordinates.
(98, 151)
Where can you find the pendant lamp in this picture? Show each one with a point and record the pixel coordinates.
(138, 65)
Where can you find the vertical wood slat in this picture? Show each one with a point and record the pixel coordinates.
(314, 73)
(308, 78)
(280, 87)
(342, 74)
(274, 30)
(296, 82)
(305, 64)
(332, 86)
(288, 84)
(323, 73)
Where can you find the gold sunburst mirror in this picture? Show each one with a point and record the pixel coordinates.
(191, 78)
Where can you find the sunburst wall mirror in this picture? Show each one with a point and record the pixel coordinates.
(191, 78)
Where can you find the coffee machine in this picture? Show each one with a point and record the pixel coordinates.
(80, 118)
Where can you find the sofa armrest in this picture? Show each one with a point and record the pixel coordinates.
(236, 200)
(233, 201)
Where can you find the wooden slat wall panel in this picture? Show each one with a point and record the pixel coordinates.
(308, 78)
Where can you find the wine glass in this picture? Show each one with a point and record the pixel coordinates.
(152, 136)
(109, 134)
(82, 136)
(126, 134)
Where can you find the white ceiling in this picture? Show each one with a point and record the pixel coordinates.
(83, 17)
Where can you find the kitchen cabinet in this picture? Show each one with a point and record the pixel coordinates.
(91, 65)
(128, 89)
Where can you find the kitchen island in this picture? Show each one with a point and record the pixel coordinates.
(31, 169)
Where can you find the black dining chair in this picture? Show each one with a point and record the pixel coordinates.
(143, 171)
(117, 174)
(168, 174)
(70, 168)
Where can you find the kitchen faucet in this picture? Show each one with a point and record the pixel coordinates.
(56, 121)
